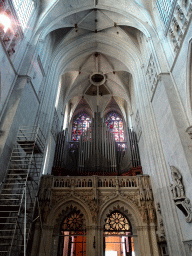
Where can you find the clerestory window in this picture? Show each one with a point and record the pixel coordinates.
(24, 10)
(81, 123)
(115, 124)
(165, 8)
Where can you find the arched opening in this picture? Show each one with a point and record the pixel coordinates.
(115, 124)
(118, 239)
(72, 240)
(81, 123)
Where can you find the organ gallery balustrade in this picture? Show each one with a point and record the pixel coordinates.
(100, 182)
(140, 183)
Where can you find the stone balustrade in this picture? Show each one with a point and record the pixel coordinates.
(105, 182)
(66, 182)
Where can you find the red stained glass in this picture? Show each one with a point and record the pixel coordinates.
(81, 123)
(115, 124)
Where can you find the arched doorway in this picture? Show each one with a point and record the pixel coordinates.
(72, 240)
(118, 240)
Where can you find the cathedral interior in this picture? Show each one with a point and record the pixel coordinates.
(95, 127)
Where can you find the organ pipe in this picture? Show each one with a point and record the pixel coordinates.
(97, 150)
(97, 147)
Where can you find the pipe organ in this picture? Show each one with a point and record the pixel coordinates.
(96, 152)
(97, 148)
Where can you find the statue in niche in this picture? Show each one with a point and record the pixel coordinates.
(177, 189)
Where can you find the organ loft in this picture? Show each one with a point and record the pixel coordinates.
(95, 127)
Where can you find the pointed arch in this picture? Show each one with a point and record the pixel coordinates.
(63, 208)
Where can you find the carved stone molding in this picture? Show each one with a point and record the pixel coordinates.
(178, 192)
(55, 190)
(152, 75)
(179, 23)
(160, 228)
(63, 214)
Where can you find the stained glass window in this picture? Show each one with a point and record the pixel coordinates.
(115, 124)
(116, 222)
(24, 10)
(165, 8)
(80, 124)
(74, 222)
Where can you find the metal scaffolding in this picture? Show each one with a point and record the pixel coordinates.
(19, 191)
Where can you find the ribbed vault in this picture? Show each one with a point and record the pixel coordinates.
(90, 37)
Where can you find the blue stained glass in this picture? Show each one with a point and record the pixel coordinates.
(165, 8)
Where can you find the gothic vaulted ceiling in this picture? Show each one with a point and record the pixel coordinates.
(96, 37)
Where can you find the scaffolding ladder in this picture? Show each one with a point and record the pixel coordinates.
(19, 191)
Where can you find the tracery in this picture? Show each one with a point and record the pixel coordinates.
(73, 222)
(114, 123)
(81, 123)
(116, 222)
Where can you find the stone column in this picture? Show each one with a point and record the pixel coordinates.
(55, 243)
(178, 115)
(135, 244)
(91, 241)
(99, 244)
(36, 239)
(145, 248)
(46, 241)
(153, 241)
(172, 123)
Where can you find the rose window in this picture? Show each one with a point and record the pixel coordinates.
(117, 222)
(74, 221)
